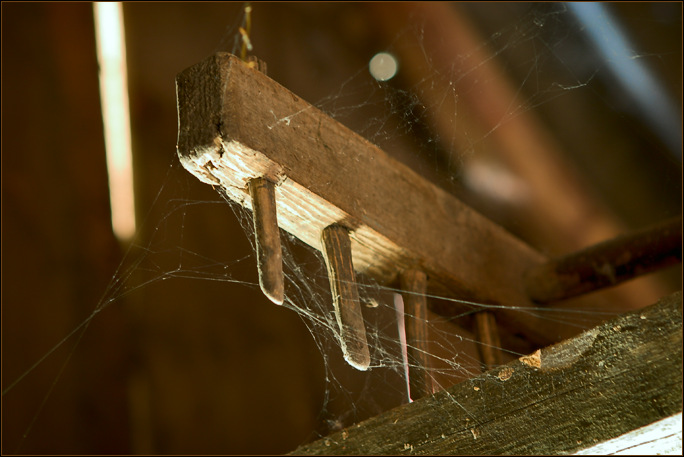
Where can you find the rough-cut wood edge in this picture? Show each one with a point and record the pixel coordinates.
(236, 124)
(615, 378)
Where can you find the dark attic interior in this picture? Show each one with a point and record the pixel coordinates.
(341, 228)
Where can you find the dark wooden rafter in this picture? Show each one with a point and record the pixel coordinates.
(607, 264)
(607, 381)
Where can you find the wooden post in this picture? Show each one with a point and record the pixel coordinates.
(338, 258)
(414, 285)
(267, 237)
(489, 344)
(607, 381)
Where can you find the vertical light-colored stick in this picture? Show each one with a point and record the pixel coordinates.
(414, 283)
(269, 252)
(487, 336)
(338, 258)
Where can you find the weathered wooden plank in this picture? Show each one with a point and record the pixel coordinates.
(608, 264)
(615, 378)
(663, 437)
(236, 124)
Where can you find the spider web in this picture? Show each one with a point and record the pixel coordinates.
(400, 118)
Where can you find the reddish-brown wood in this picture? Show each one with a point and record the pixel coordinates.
(558, 400)
(337, 253)
(267, 237)
(608, 264)
(236, 124)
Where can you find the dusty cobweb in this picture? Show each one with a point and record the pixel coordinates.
(424, 121)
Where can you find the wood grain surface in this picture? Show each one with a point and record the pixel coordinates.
(607, 381)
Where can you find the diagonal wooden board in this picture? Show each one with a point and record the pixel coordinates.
(607, 381)
(235, 124)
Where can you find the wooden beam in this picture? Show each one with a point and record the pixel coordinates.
(267, 239)
(615, 378)
(607, 264)
(236, 124)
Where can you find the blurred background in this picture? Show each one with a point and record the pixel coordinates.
(515, 108)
